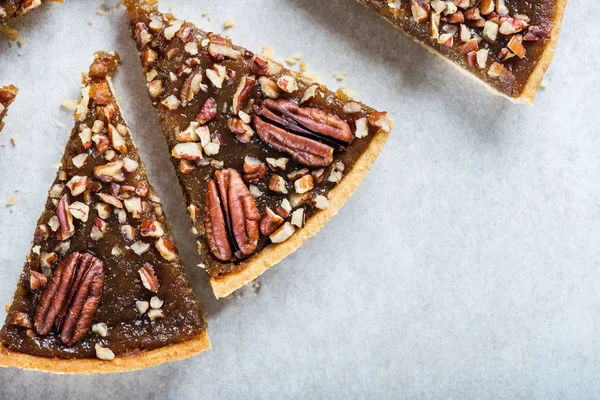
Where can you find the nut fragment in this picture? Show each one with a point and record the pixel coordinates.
(100, 329)
(155, 314)
(277, 184)
(208, 111)
(188, 151)
(111, 172)
(298, 218)
(221, 48)
(140, 247)
(167, 249)
(362, 128)
(151, 228)
(420, 10)
(135, 206)
(270, 222)
(216, 75)
(20, 319)
(79, 210)
(268, 88)
(254, 170)
(142, 306)
(77, 185)
(283, 233)
(242, 93)
(240, 129)
(304, 184)
(37, 280)
(104, 353)
(156, 302)
(148, 278)
(287, 83)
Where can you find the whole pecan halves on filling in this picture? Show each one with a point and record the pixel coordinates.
(71, 298)
(308, 134)
(231, 216)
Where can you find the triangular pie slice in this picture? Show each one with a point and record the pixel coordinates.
(7, 96)
(103, 288)
(506, 44)
(265, 156)
(10, 9)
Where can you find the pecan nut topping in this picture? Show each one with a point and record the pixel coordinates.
(71, 298)
(308, 134)
(231, 216)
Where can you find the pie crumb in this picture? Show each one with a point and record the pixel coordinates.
(228, 24)
(13, 140)
(9, 33)
(349, 92)
(268, 51)
(340, 76)
(12, 200)
(544, 84)
(255, 286)
(68, 104)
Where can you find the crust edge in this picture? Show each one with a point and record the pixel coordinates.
(537, 75)
(530, 89)
(141, 360)
(273, 254)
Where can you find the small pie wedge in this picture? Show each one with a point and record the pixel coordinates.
(103, 288)
(265, 156)
(10, 9)
(506, 44)
(7, 96)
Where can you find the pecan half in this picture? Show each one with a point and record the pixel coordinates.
(308, 134)
(71, 298)
(307, 151)
(231, 216)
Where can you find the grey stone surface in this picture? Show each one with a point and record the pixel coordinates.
(466, 265)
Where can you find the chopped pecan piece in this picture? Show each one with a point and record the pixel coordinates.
(270, 222)
(243, 93)
(535, 33)
(231, 216)
(208, 111)
(20, 319)
(148, 277)
(71, 298)
(254, 170)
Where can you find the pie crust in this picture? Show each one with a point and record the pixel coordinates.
(133, 362)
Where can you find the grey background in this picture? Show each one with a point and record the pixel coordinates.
(466, 265)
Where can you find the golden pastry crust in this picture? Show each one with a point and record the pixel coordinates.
(535, 79)
(274, 253)
(530, 89)
(137, 361)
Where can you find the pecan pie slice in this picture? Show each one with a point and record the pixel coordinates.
(7, 96)
(265, 156)
(103, 288)
(506, 44)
